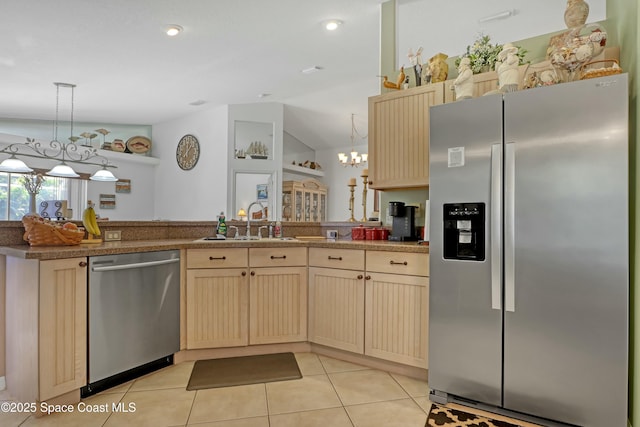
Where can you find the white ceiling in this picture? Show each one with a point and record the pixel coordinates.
(128, 71)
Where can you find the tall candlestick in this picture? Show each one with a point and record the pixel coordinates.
(352, 188)
(352, 181)
(364, 198)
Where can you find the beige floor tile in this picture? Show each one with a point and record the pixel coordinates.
(424, 403)
(414, 387)
(311, 392)
(335, 365)
(309, 364)
(167, 407)
(12, 419)
(333, 417)
(244, 422)
(92, 411)
(174, 376)
(396, 413)
(366, 387)
(228, 403)
(122, 388)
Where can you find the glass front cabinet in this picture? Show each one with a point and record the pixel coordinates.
(304, 201)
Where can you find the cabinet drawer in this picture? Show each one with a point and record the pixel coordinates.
(414, 264)
(217, 258)
(278, 257)
(348, 259)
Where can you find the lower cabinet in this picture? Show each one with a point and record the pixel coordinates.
(239, 296)
(46, 327)
(370, 302)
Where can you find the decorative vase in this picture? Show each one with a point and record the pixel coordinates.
(576, 13)
(32, 203)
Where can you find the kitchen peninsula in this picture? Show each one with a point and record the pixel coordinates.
(345, 299)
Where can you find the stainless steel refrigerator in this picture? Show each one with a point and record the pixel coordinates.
(529, 253)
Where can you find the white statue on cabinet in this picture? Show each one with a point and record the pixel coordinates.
(463, 84)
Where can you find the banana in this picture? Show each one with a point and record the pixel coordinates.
(89, 220)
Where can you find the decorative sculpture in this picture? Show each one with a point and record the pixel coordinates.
(507, 68)
(463, 84)
(438, 67)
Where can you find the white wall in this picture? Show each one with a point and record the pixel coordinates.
(336, 177)
(200, 193)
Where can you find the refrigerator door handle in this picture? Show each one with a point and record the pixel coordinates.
(496, 226)
(509, 227)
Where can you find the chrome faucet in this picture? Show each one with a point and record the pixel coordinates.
(249, 218)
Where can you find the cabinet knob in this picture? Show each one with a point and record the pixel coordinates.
(82, 264)
(253, 273)
(244, 273)
(360, 276)
(211, 258)
(367, 277)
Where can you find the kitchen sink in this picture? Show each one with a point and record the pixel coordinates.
(244, 239)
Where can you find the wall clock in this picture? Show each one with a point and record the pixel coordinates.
(188, 152)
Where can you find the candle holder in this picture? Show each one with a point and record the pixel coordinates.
(352, 188)
(364, 196)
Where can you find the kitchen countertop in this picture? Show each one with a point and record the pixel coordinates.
(122, 247)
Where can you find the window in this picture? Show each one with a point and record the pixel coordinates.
(14, 198)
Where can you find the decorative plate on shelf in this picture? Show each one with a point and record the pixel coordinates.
(139, 144)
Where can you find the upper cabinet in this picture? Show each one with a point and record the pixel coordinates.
(399, 137)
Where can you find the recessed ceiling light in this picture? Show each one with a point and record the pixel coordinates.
(198, 102)
(174, 30)
(310, 70)
(332, 24)
(264, 95)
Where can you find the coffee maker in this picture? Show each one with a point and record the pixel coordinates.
(404, 222)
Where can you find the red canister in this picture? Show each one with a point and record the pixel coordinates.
(370, 233)
(383, 234)
(358, 233)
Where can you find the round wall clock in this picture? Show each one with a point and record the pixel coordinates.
(188, 152)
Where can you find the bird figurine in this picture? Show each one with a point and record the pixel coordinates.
(390, 85)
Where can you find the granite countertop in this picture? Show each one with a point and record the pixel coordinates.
(121, 247)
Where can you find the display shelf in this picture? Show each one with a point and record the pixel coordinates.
(300, 170)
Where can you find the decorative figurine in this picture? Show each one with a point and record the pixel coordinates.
(438, 68)
(507, 68)
(416, 62)
(398, 85)
(463, 84)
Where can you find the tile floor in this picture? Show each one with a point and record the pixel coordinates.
(331, 393)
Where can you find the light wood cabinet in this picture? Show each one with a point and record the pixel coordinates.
(399, 137)
(380, 311)
(277, 295)
(336, 298)
(46, 325)
(304, 201)
(217, 293)
(397, 307)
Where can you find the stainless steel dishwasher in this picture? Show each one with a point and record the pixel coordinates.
(133, 316)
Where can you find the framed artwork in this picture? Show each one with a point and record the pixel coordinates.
(107, 201)
(123, 186)
(263, 192)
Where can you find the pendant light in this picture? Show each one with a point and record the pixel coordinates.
(12, 164)
(356, 159)
(63, 170)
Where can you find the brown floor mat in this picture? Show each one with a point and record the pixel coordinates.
(449, 417)
(243, 370)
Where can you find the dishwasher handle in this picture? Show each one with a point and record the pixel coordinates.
(135, 265)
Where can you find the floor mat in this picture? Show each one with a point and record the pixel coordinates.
(449, 417)
(243, 370)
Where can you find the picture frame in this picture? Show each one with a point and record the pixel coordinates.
(263, 192)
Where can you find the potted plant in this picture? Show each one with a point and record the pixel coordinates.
(483, 55)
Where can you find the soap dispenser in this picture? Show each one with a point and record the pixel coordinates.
(222, 225)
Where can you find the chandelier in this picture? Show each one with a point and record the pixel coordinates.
(356, 159)
(64, 153)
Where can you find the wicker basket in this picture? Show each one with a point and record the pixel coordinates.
(587, 72)
(40, 232)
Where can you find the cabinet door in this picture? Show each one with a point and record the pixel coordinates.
(63, 326)
(397, 310)
(217, 312)
(278, 305)
(399, 137)
(336, 308)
